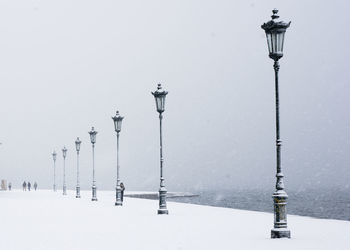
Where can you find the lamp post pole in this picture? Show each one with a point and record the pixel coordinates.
(117, 119)
(77, 146)
(64, 150)
(93, 141)
(159, 96)
(275, 31)
(54, 154)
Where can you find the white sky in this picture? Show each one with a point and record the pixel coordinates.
(68, 65)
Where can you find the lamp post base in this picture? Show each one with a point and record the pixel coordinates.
(280, 229)
(162, 201)
(118, 197)
(77, 192)
(163, 211)
(277, 233)
(54, 188)
(64, 190)
(94, 198)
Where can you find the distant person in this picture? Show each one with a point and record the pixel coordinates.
(35, 185)
(29, 186)
(122, 188)
(24, 185)
(10, 186)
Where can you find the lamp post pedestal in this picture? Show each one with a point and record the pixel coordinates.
(118, 197)
(77, 192)
(64, 190)
(280, 229)
(94, 198)
(162, 200)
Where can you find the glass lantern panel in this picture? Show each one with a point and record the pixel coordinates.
(119, 125)
(281, 41)
(269, 42)
(159, 104)
(115, 125)
(163, 103)
(274, 43)
(93, 137)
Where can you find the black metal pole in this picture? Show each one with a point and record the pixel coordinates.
(280, 196)
(118, 201)
(162, 190)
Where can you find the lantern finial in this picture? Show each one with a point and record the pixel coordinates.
(275, 16)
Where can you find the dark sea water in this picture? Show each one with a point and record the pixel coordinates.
(325, 203)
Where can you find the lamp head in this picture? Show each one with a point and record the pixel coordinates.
(159, 96)
(64, 151)
(93, 135)
(117, 119)
(77, 144)
(275, 30)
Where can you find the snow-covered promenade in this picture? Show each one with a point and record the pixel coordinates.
(49, 221)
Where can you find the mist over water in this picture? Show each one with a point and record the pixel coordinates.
(328, 203)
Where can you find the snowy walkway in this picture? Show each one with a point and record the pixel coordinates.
(49, 221)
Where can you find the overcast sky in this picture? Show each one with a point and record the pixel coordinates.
(68, 65)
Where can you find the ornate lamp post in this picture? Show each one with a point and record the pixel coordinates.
(64, 151)
(159, 96)
(275, 30)
(117, 119)
(54, 156)
(93, 141)
(77, 147)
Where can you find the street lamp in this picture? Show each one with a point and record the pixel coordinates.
(117, 119)
(159, 96)
(275, 30)
(54, 156)
(93, 141)
(64, 151)
(77, 147)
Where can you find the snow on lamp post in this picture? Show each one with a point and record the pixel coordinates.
(275, 30)
(77, 147)
(93, 141)
(117, 119)
(159, 96)
(54, 156)
(64, 151)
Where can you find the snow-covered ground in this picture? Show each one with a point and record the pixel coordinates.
(49, 221)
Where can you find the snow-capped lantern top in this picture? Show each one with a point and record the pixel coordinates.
(275, 30)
